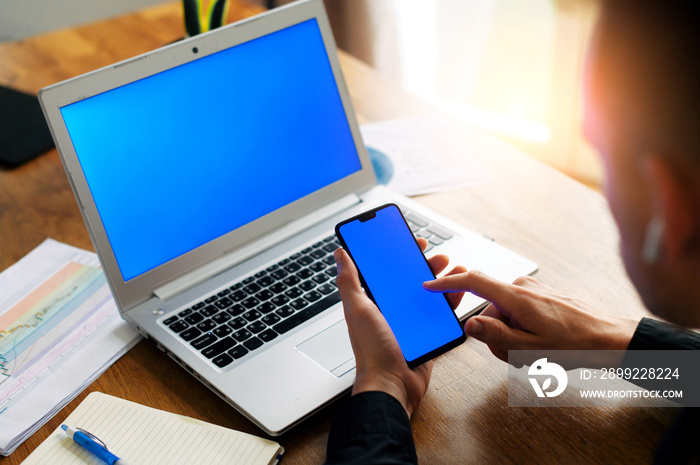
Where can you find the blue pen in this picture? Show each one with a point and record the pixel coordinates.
(92, 445)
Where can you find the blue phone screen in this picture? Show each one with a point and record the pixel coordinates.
(394, 270)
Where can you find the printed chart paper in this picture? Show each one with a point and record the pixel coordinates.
(59, 330)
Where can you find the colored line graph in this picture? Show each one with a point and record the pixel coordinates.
(44, 326)
(59, 330)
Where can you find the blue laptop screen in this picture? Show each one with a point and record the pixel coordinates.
(182, 157)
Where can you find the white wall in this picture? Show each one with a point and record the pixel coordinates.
(25, 18)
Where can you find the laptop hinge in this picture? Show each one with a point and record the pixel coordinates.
(225, 262)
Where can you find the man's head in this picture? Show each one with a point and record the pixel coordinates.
(642, 113)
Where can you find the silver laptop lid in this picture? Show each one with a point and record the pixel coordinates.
(185, 154)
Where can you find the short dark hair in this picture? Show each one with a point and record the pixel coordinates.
(646, 74)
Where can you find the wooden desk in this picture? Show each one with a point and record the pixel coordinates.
(464, 418)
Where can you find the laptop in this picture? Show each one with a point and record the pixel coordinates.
(210, 174)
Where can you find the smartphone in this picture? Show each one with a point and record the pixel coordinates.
(392, 270)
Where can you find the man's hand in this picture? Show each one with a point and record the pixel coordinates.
(380, 365)
(527, 315)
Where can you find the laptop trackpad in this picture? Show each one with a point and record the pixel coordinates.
(331, 349)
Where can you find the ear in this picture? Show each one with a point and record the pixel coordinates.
(673, 204)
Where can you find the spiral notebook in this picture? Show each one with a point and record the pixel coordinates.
(143, 435)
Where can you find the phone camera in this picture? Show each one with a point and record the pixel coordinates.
(195, 50)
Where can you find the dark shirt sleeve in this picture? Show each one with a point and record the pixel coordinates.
(654, 335)
(657, 335)
(679, 444)
(371, 428)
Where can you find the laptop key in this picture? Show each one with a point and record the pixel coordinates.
(252, 315)
(329, 260)
(305, 260)
(419, 220)
(237, 352)
(249, 280)
(278, 288)
(271, 319)
(285, 311)
(263, 295)
(252, 288)
(295, 256)
(237, 323)
(280, 300)
(236, 286)
(223, 330)
(330, 248)
(235, 310)
(279, 274)
(194, 318)
(441, 233)
(321, 278)
(293, 293)
(223, 303)
(292, 267)
(185, 312)
(219, 347)
(242, 334)
(329, 238)
(265, 281)
(222, 360)
(253, 343)
(318, 254)
(211, 299)
(266, 307)
(298, 304)
(271, 268)
(190, 334)
(250, 302)
(307, 313)
(170, 320)
(260, 274)
(206, 325)
(221, 317)
(305, 273)
(318, 266)
(313, 296)
(203, 341)
(224, 292)
(318, 244)
(332, 271)
(267, 335)
(197, 306)
(256, 326)
(208, 311)
(291, 280)
(238, 295)
(325, 289)
(179, 326)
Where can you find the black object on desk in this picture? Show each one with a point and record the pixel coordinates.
(24, 133)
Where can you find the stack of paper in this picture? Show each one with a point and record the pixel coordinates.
(59, 330)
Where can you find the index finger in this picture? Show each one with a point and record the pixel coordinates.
(502, 295)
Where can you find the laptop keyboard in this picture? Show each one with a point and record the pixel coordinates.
(240, 319)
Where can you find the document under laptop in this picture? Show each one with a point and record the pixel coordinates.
(210, 174)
